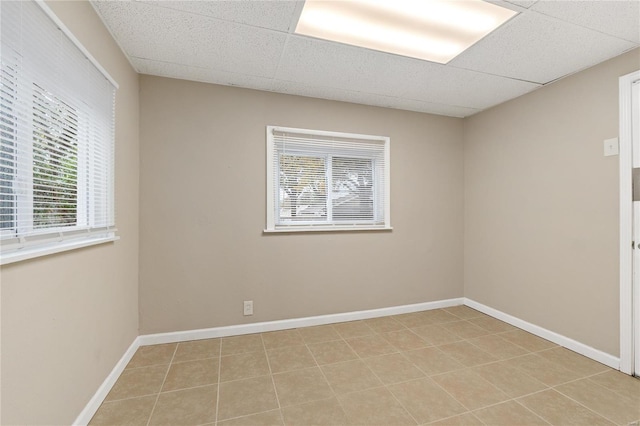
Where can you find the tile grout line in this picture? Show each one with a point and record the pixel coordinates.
(580, 403)
(384, 385)
(335, 395)
(273, 382)
(162, 385)
(219, 380)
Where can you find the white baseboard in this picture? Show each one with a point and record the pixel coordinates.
(261, 327)
(94, 403)
(595, 354)
(235, 330)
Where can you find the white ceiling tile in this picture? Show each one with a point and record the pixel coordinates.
(166, 69)
(617, 18)
(162, 34)
(331, 93)
(460, 87)
(275, 15)
(329, 64)
(538, 48)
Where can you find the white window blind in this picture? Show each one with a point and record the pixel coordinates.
(57, 135)
(319, 181)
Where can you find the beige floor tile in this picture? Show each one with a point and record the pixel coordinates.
(393, 368)
(432, 361)
(130, 412)
(384, 324)
(373, 345)
(436, 334)
(374, 407)
(268, 418)
(465, 329)
(190, 374)
(333, 351)
(440, 316)
(527, 340)
(347, 330)
(186, 407)
(281, 339)
(244, 397)
(609, 404)
(413, 319)
(467, 354)
(242, 344)
(350, 376)
(425, 400)
(498, 347)
(619, 382)
(508, 414)
(547, 372)
(470, 389)
(197, 349)
(318, 334)
(243, 366)
(466, 419)
(510, 380)
(326, 412)
(146, 356)
(301, 386)
(464, 312)
(491, 324)
(290, 358)
(138, 382)
(405, 340)
(557, 409)
(573, 361)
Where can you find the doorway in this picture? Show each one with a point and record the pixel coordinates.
(629, 140)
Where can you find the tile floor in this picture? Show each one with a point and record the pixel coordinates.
(453, 366)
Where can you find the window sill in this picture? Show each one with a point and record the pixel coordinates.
(27, 253)
(327, 229)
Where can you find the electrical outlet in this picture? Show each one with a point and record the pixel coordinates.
(248, 307)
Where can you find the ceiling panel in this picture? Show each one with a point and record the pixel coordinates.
(162, 34)
(455, 86)
(370, 99)
(537, 48)
(617, 18)
(323, 63)
(206, 75)
(275, 15)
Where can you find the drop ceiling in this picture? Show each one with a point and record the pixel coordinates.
(252, 44)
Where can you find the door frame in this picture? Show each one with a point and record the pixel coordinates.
(626, 225)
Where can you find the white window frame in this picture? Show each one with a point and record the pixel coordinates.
(25, 242)
(382, 188)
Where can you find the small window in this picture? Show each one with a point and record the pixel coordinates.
(57, 138)
(324, 181)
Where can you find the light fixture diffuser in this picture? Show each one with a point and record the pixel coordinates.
(433, 30)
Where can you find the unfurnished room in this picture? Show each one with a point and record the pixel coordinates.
(342, 212)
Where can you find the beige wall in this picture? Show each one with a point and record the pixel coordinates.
(68, 318)
(541, 206)
(203, 207)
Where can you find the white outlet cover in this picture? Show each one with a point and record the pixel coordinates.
(611, 147)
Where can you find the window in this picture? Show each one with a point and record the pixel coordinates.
(56, 138)
(322, 181)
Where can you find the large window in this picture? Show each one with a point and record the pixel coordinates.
(57, 138)
(319, 181)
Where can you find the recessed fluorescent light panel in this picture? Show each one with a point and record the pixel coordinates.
(433, 30)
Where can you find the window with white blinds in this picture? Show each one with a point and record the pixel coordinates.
(57, 137)
(322, 181)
